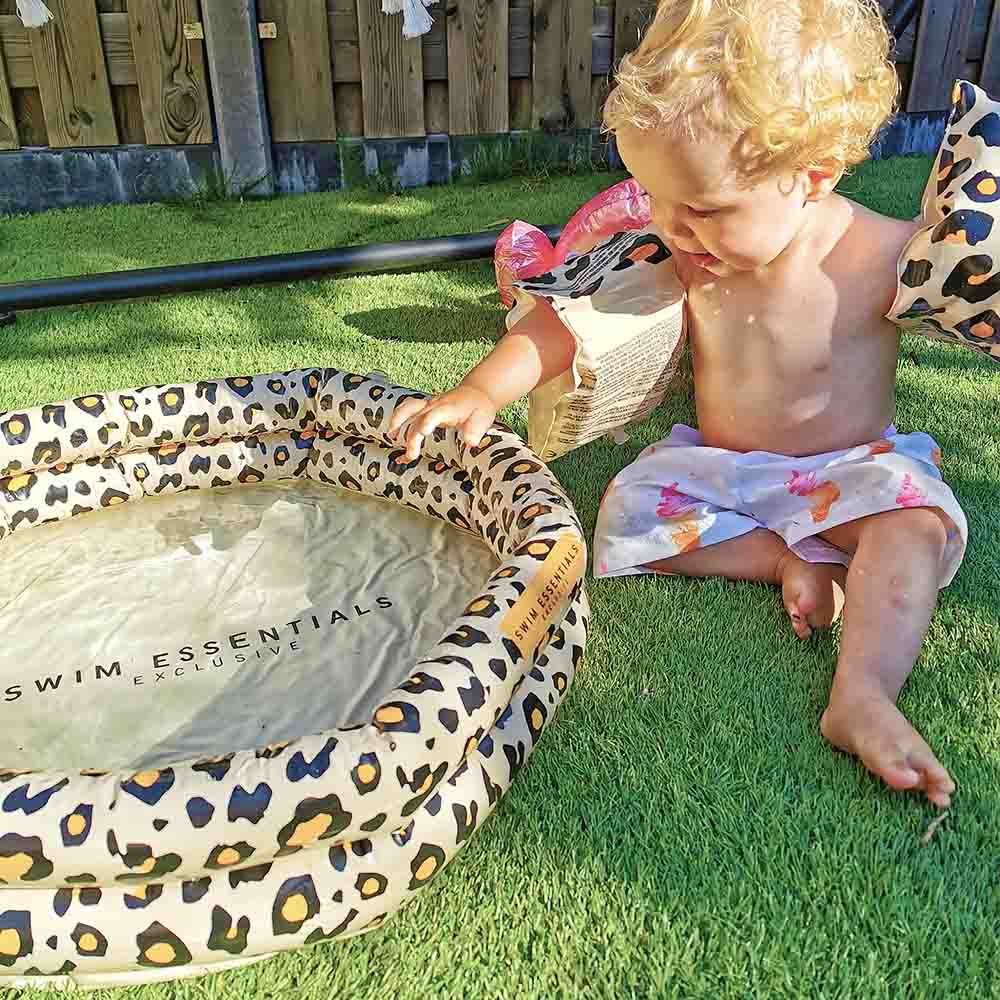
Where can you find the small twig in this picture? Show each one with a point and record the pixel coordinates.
(933, 828)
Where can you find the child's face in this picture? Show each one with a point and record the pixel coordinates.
(705, 209)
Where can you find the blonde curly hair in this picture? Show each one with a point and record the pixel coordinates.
(798, 82)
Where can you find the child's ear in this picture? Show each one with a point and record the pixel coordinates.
(822, 179)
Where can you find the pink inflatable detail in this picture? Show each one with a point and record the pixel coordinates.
(524, 251)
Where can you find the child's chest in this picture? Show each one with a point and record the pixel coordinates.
(794, 322)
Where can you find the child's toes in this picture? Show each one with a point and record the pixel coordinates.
(939, 797)
(935, 780)
(874, 730)
(812, 594)
(800, 624)
(897, 774)
(801, 607)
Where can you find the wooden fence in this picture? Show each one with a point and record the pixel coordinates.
(108, 73)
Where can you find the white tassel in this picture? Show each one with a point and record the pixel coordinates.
(416, 20)
(33, 13)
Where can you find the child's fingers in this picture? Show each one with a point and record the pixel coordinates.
(475, 427)
(405, 412)
(414, 442)
(443, 414)
(425, 423)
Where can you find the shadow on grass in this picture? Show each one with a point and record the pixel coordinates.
(151, 326)
(430, 324)
(69, 333)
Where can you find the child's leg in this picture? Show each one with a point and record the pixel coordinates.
(892, 590)
(812, 592)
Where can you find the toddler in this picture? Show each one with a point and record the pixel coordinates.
(739, 117)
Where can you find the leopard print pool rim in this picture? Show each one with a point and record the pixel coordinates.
(112, 878)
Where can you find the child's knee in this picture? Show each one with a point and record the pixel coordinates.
(910, 527)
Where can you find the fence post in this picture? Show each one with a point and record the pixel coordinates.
(242, 125)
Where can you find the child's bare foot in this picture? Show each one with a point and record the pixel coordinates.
(869, 726)
(813, 593)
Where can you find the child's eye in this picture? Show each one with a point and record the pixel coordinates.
(702, 213)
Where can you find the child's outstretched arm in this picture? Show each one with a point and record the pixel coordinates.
(536, 350)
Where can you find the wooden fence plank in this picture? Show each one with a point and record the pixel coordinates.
(8, 123)
(519, 64)
(15, 48)
(392, 75)
(113, 18)
(128, 115)
(436, 106)
(118, 52)
(519, 54)
(520, 103)
(345, 49)
(30, 118)
(548, 109)
(350, 109)
(478, 85)
(902, 50)
(345, 52)
(72, 76)
(599, 90)
(578, 31)
(16, 45)
(17, 53)
(9, 138)
(298, 71)
(939, 54)
(118, 55)
(631, 18)
(989, 77)
(170, 71)
(978, 30)
(434, 45)
(602, 37)
(27, 106)
(562, 59)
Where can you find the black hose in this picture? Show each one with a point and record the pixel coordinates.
(367, 258)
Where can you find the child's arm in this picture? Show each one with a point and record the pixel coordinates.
(538, 349)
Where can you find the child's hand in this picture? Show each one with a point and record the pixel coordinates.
(470, 410)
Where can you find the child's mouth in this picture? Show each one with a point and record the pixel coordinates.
(704, 259)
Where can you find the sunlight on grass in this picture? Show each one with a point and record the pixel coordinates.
(683, 831)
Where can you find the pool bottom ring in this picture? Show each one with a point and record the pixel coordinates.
(121, 876)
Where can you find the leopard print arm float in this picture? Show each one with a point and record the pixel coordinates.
(948, 280)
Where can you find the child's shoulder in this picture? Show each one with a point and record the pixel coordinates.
(882, 232)
(873, 245)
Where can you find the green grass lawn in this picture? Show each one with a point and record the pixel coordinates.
(683, 830)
